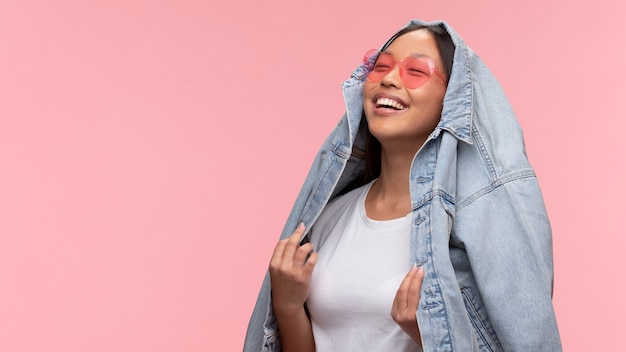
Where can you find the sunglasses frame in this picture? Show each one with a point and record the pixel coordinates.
(371, 57)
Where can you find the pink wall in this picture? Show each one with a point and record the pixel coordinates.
(150, 152)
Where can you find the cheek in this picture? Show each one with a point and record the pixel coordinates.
(431, 99)
(431, 103)
(437, 103)
(367, 88)
(367, 95)
(435, 108)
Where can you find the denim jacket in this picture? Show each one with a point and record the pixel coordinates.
(480, 228)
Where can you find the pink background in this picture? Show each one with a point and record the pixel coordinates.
(151, 150)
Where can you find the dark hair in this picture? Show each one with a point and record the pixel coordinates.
(446, 50)
(442, 37)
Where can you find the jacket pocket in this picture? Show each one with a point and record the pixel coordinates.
(486, 336)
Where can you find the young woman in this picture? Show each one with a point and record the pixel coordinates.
(421, 224)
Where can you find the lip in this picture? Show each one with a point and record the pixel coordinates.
(388, 96)
(387, 111)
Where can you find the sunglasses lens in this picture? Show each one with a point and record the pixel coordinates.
(383, 64)
(417, 70)
(414, 70)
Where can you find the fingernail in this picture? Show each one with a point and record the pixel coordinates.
(300, 227)
(414, 268)
(420, 270)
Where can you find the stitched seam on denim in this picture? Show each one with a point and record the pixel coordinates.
(446, 317)
(480, 320)
(465, 136)
(483, 152)
(307, 205)
(271, 334)
(429, 197)
(471, 83)
(492, 186)
(471, 90)
(353, 80)
(339, 151)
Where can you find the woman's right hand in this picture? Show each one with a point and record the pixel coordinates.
(291, 268)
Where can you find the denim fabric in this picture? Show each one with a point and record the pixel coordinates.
(480, 231)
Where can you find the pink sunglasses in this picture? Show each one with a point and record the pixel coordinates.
(414, 70)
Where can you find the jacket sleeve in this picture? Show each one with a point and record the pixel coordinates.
(262, 333)
(508, 242)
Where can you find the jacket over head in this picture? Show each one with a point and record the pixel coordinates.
(481, 231)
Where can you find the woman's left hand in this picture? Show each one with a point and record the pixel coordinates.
(404, 309)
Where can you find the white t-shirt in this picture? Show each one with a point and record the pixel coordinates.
(361, 263)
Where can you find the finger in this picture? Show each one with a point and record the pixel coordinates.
(414, 290)
(394, 307)
(310, 264)
(400, 300)
(403, 290)
(302, 253)
(293, 243)
(278, 253)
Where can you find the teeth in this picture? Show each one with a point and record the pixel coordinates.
(389, 102)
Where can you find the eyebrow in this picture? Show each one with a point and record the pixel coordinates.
(412, 54)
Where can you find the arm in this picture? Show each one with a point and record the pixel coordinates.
(291, 268)
(508, 241)
(295, 330)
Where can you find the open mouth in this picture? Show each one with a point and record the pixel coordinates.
(389, 104)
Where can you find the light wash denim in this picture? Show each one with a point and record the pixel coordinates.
(480, 231)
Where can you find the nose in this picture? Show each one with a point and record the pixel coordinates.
(392, 78)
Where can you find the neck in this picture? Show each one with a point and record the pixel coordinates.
(390, 196)
(394, 173)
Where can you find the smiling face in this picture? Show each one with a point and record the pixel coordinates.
(397, 114)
